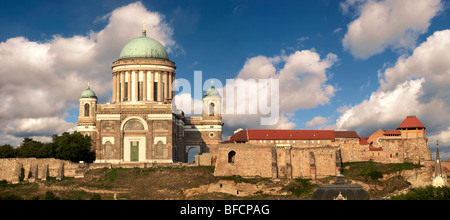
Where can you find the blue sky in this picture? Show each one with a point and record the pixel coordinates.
(220, 38)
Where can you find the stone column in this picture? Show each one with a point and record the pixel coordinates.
(158, 98)
(114, 87)
(122, 87)
(170, 85)
(129, 86)
(164, 75)
(144, 89)
(152, 85)
(136, 85)
(117, 86)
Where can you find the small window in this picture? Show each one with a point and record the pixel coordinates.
(86, 110)
(211, 109)
(231, 157)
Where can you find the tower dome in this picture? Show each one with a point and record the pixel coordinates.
(212, 93)
(88, 93)
(143, 48)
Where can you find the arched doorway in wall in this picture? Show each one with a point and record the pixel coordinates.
(191, 152)
(134, 140)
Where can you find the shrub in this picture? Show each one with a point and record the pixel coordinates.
(374, 175)
(425, 193)
(50, 196)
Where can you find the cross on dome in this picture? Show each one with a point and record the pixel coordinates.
(144, 32)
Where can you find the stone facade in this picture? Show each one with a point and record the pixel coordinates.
(273, 161)
(389, 150)
(316, 154)
(32, 169)
(140, 125)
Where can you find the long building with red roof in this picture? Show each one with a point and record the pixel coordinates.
(316, 153)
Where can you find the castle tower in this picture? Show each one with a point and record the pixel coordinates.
(411, 127)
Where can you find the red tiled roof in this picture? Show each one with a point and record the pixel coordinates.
(240, 136)
(290, 135)
(363, 141)
(411, 122)
(346, 134)
(392, 132)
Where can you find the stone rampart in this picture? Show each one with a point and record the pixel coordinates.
(249, 160)
(15, 170)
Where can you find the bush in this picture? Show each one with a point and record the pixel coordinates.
(374, 175)
(50, 196)
(425, 193)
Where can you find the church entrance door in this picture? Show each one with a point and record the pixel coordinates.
(134, 151)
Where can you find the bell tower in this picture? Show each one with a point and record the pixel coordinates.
(87, 109)
(212, 104)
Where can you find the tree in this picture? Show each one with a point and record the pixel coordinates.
(32, 148)
(425, 193)
(29, 148)
(74, 147)
(7, 151)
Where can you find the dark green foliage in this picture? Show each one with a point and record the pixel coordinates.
(22, 174)
(50, 196)
(7, 151)
(74, 147)
(301, 187)
(374, 175)
(32, 148)
(425, 193)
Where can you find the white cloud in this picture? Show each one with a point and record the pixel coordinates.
(394, 24)
(319, 120)
(302, 85)
(41, 81)
(415, 85)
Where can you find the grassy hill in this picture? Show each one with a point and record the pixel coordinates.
(173, 183)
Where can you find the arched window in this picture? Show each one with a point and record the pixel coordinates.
(191, 154)
(231, 157)
(86, 110)
(160, 149)
(134, 125)
(211, 109)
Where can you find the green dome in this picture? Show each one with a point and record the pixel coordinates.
(88, 93)
(144, 48)
(212, 93)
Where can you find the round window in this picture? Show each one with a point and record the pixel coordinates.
(211, 135)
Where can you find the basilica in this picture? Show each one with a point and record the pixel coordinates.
(140, 125)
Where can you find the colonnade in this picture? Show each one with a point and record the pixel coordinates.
(142, 86)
